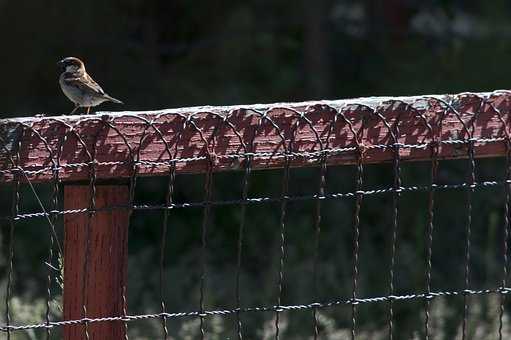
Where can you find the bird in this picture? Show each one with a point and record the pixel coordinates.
(79, 87)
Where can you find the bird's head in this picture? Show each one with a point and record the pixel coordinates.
(71, 65)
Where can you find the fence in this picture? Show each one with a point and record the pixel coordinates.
(96, 164)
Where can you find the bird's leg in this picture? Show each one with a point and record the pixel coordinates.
(76, 108)
(88, 109)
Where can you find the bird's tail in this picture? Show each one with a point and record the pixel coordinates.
(113, 100)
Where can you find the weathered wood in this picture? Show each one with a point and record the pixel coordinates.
(116, 140)
(106, 264)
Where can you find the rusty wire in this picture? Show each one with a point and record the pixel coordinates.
(427, 113)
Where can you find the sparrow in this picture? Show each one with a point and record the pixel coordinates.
(79, 87)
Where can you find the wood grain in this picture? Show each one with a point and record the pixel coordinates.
(106, 267)
(145, 142)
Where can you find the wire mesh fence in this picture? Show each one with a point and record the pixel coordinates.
(341, 236)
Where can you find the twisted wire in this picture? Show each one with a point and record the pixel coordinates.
(430, 228)
(163, 242)
(241, 231)
(395, 221)
(285, 123)
(267, 199)
(260, 309)
(470, 191)
(505, 237)
(208, 187)
(282, 246)
(356, 235)
(14, 212)
(317, 234)
(294, 155)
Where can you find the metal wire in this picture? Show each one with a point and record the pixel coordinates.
(273, 137)
(282, 247)
(272, 309)
(86, 259)
(152, 164)
(394, 133)
(317, 235)
(470, 191)
(14, 212)
(208, 188)
(430, 226)
(163, 246)
(53, 240)
(241, 232)
(268, 200)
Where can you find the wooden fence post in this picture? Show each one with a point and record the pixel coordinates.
(107, 262)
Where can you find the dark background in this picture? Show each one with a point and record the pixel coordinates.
(163, 54)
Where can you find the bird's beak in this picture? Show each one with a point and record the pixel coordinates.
(60, 64)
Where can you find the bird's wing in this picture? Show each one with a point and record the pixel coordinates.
(85, 83)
